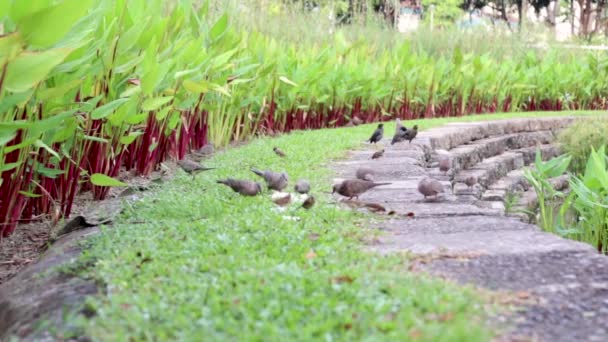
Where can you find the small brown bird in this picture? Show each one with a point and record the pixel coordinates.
(411, 133)
(470, 181)
(309, 202)
(445, 163)
(281, 198)
(356, 121)
(243, 187)
(430, 187)
(274, 180)
(352, 188)
(206, 150)
(302, 186)
(377, 135)
(279, 152)
(365, 173)
(191, 167)
(378, 154)
(374, 207)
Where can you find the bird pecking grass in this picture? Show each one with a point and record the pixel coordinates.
(203, 263)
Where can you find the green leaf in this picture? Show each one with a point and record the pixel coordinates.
(287, 81)
(107, 109)
(9, 166)
(196, 87)
(30, 68)
(96, 139)
(58, 91)
(219, 27)
(50, 172)
(40, 144)
(5, 138)
(29, 194)
(129, 139)
(155, 103)
(49, 25)
(100, 179)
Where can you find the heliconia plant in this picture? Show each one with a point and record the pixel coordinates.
(88, 88)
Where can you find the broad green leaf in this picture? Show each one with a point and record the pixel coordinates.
(58, 91)
(219, 27)
(20, 9)
(100, 179)
(161, 114)
(9, 166)
(5, 138)
(30, 68)
(10, 46)
(155, 103)
(287, 81)
(107, 109)
(132, 90)
(137, 118)
(40, 144)
(196, 87)
(129, 139)
(49, 25)
(29, 194)
(96, 139)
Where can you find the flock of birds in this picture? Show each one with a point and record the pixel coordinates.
(349, 188)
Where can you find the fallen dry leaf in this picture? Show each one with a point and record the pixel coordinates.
(311, 255)
(313, 236)
(348, 326)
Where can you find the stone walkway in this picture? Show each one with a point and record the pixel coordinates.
(567, 279)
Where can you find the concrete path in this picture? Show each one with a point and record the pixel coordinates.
(567, 279)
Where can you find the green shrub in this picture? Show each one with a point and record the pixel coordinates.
(578, 139)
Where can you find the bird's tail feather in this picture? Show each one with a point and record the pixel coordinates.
(257, 172)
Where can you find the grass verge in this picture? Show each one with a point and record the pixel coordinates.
(202, 263)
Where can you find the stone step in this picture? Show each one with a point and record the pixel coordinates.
(491, 169)
(528, 201)
(512, 181)
(458, 133)
(499, 241)
(468, 155)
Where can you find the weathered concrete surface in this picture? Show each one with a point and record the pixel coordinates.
(569, 279)
(42, 292)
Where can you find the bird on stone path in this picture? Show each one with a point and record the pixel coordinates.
(309, 202)
(279, 152)
(400, 134)
(302, 186)
(356, 121)
(470, 181)
(411, 133)
(365, 173)
(429, 187)
(274, 180)
(445, 164)
(191, 167)
(243, 187)
(377, 135)
(354, 187)
(378, 154)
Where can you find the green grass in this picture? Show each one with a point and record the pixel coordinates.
(193, 261)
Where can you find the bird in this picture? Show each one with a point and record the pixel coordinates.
(279, 152)
(191, 167)
(309, 202)
(356, 121)
(411, 133)
(365, 173)
(377, 135)
(302, 186)
(378, 154)
(470, 181)
(281, 198)
(352, 188)
(429, 187)
(274, 180)
(400, 134)
(243, 187)
(206, 150)
(445, 164)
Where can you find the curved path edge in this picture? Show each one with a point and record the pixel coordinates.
(565, 282)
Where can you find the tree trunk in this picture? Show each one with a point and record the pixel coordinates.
(572, 17)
